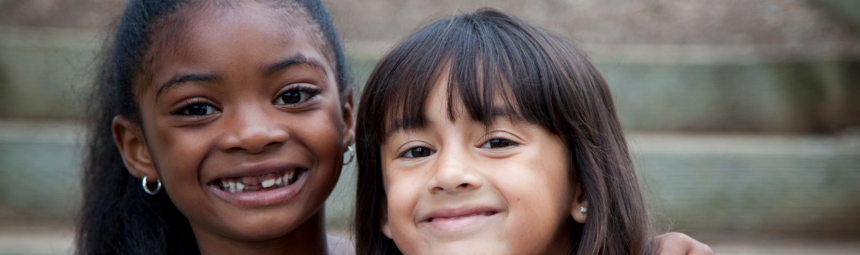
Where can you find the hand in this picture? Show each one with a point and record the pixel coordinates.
(674, 243)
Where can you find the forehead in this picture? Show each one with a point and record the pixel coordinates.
(218, 33)
(449, 101)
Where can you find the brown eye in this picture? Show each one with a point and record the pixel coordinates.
(417, 152)
(197, 109)
(295, 96)
(496, 143)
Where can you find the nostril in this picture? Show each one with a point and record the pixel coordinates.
(261, 144)
(252, 129)
(255, 141)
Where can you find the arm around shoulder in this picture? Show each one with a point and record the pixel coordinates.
(675, 243)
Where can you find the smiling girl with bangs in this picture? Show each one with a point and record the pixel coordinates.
(483, 134)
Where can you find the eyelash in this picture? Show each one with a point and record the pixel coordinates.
(409, 152)
(506, 143)
(301, 88)
(486, 145)
(186, 107)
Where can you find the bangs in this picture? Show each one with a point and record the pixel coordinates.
(500, 66)
(494, 70)
(484, 95)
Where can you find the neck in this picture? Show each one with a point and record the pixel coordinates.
(308, 238)
(562, 241)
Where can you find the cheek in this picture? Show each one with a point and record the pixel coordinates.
(539, 198)
(537, 216)
(177, 154)
(178, 157)
(395, 196)
(402, 199)
(324, 127)
(322, 134)
(180, 150)
(320, 130)
(402, 196)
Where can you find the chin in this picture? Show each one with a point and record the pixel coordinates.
(263, 228)
(267, 232)
(462, 247)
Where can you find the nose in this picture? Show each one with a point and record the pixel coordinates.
(454, 173)
(252, 130)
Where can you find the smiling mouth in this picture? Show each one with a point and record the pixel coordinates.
(486, 213)
(264, 182)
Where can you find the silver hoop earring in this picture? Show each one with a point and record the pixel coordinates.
(351, 155)
(146, 188)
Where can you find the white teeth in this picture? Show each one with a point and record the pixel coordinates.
(276, 179)
(268, 183)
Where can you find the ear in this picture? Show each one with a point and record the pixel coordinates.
(348, 119)
(579, 202)
(132, 145)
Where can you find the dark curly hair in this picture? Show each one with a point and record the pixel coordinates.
(117, 217)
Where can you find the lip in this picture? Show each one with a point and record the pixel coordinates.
(259, 198)
(255, 169)
(459, 219)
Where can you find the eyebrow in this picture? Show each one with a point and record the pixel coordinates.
(183, 78)
(295, 60)
(401, 124)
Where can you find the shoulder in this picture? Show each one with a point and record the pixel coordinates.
(340, 246)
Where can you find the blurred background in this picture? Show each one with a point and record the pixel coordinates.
(743, 116)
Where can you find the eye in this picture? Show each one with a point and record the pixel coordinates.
(417, 152)
(296, 95)
(196, 109)
(497, 143)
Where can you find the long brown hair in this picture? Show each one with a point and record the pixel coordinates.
(542, 79)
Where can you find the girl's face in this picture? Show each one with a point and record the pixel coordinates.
(243, 123)
(460, 187)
